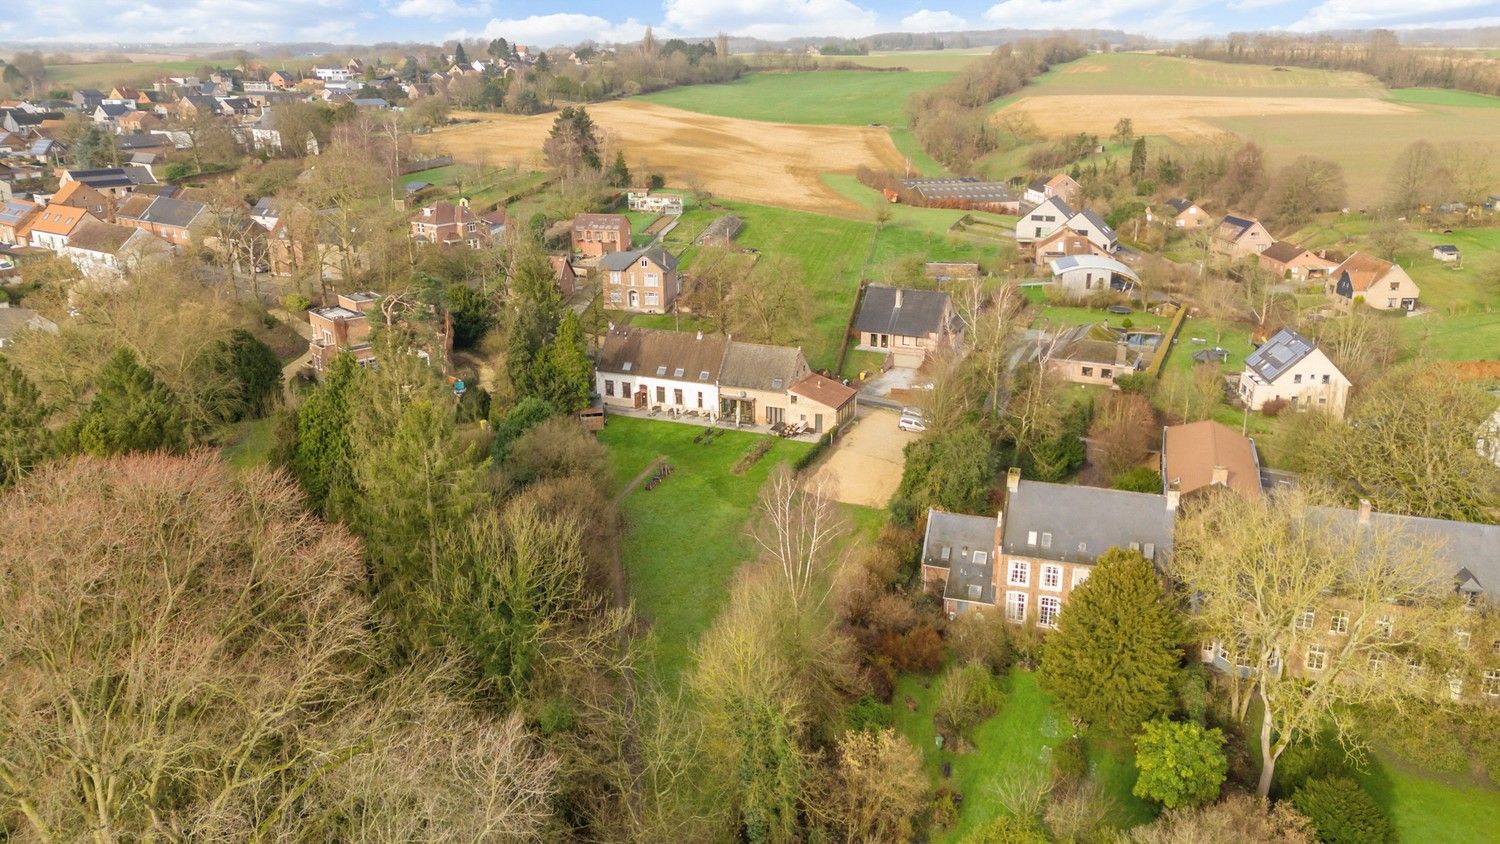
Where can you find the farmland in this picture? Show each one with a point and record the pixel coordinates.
(839, 97)
(768, 163)
(917, 60)
(105, 75)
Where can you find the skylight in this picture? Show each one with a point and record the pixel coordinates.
(661, 370)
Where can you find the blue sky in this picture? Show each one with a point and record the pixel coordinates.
(550, 22)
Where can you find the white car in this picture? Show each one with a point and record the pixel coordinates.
(912, 423)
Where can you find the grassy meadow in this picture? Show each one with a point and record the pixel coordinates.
(106, 75)
(685, 539)
(1149, 73)
(917, 60)
(839, 97)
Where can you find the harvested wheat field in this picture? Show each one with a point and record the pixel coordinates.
(749, 160)
(1184, 118)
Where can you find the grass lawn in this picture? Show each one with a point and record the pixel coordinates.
(925, 231)
(906, 141)
(1147, 73)
(484, 189)
(1432, 807)
(1064, 315)
(856, 362)
(949, 60)
(1439, 96)
(1018, 738)
(840, 97)
(684, 539)
(106, 75)
(248, 444)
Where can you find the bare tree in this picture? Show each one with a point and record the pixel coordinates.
(771, 303)
(876, 788)
(1322, 612)
(797, 527)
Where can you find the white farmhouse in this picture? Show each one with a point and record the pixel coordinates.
(1292, 368)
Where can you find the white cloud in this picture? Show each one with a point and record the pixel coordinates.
(926, 20)
(1169, 18)
(437, 8)
(1362, 14)
(769, 19)
(557, 29)
(192, 21)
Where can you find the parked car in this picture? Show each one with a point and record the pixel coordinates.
(911, 423)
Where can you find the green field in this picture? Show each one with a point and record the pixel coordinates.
(106, 75)
(684, 539)
(1431, 807)
(949, 60)
(840, 97)
(484, 188)
(1147, 73)
(1017, 739)
(248, 444)
(925, 232)
(1441, 96)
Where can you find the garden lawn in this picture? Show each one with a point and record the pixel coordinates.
(839, 97)
(1066, 315)
(924, 232)
(1430, 807)
(248, 444)
(684, 540)
(1016, 740)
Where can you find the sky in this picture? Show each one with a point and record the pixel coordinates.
(558, 22)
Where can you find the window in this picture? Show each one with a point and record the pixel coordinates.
(1316, 658)
(1015, 607)
(1306, 619)
(1031, 537)
(947, 553)
(1106, 372)
(1020, 573)
(1047, 609)
(1297, 379)
(1455, 687)
(1491, 685)
(1377, 662)
(700, 398)
(651, 299)
(1340, 622)
(614, 278)
(643, 262)
(1052, 577)
(874, 340)
(1414, 668)
(981, 558)
(661, 394)
(1463, 639)
(1210, 649)
(676, 397)
(1390, 303)
(1386, 625)
(609, 388)
(1395, 285)
(625, 388)
(653, 280)
(1046, 539)
(1325, 379)
(1088, 371)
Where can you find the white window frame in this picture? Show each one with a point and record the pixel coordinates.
(1016, 601)
(1386, 625)
(1052, 577)
(1042, 607)
(1022, 567)
(1490, 684)
(1338, 623)
(1321, 655)
(1080, 574)
(1307, 619)
(1463, 638)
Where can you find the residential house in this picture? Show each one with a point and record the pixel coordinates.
(1095, 354)
(283, 79)
(108, 113)
(567, 278)
(817, 398)
(1208, 455)
(644, 280)
(80, 195)
(14, 321)
(171, 219)
(1288, 260)
(98, 248)
(755, 381)
(135, 122)
(115, 182)
(14, 215)
(1040, 546)
(1054, 215)
(450, 224)
(189, 107)
(905, 324)
(266, 135)
(1446, 252)
(51, 227)
(1291, 368)
(342, 327)
(653, 203)
(87, 99)
(1062, 185)
(1064, 242)
(1380, 284)
(600, 234)
(1086, 275)
(331, 74)
(123, 92)
(1184, 214)
(1239, 237)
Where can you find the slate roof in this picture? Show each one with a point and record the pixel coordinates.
(15, 320)
(1076, 524)
(141, 141)
(1282, 251)
(1098, 222)
(114, 110)
(166, 211)
(1472, 549)
(1190, 453)
(756, 366)
(96, 236)
(1278, 354)
(652, 353)
(1180, 204)
(620, 261)
(824, 391)
(965, 546)
(1446, 249)
(921, 312)
(1092, 344)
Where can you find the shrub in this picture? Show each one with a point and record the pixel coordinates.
(1008, 829)
(1342, 813)
(1138, 479)
(1069, 764)
(1272, 409)
(295, 302)
(811, 455)
(919, 649)
(1081, 815)
(1135, 382)
(982, 638)
(1179, 764)
(753, 456)
(969, 695)
(868, 714)
(1319, 756)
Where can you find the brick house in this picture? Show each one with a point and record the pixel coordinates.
(344, 327)
(643, 281)
(905, 324)
(171, 219)
(1288, 260)
(1042, 544)
(1184, 214)
(80, 195)
(566, 277)
(1064, 242)
(1380, 284)
(1292, 368)
(600, 234)
(450, 224)
(1239, 237)
(14, 215)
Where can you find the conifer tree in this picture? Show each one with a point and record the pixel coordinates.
(320, 458)
(567, 369)
(131, 411)
(24, 439)
(1112, 659)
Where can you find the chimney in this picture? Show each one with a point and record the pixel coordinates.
(1013, 480)
(463, 202)
(1220, 476)
(1364, 511)
(1120, 353)
(1173, 496)
(898, 298)
(700, 334)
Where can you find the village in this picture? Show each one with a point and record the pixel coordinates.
(847, 461)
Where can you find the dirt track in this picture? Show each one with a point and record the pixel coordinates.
(1182, 117)
(768, 163)
(865, 467)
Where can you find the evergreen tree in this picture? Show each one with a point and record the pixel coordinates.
(619, 173)
(498, 49)
(1138, 158)
(94, 147)
(573, 143)
(255, 372)
(473, 315)
(24, 439)
(1113, 658)
(535, 311)
(569, 373)
(131, 411)
(321, 456)
(460, 58)
(1179, 764)
(527, 413)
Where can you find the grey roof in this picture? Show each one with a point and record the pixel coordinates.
(1446, 248)
(755, 366)
(104, 177)
(113, 110)
(337, 312)
(1098, 222)
(951, 542)
(1180, 204)
(969, 189)
(15, 320)
(1239, 223)
(166, 211)
(618, 261)
(1471, 549)
(1278, 354)
(1063, 208)
(141, 141)
(1091, 262)
(1076, 524)
(921, 312)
